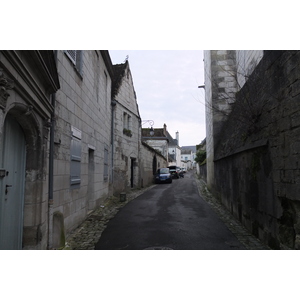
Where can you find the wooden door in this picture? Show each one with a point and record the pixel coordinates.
(12, 186)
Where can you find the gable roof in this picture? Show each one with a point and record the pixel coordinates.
(172, 142)
(119, 72)
(188, 149)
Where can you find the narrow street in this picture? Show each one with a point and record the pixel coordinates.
(168, 216)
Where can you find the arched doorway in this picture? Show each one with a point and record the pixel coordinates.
(12, 185)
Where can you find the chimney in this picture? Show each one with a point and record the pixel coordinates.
(165, 130)
(177, 137)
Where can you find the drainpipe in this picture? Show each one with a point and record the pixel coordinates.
(51, 173)
(50, 191)
(113, 105)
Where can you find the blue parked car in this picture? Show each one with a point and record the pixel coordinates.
(163, 175)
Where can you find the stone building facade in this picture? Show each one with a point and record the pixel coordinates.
(126, 131)
(174, 150)
(158, 141)
(28, 82)
(188, 154)
(70, 137)
(151, 161)
(82, 141)
(255, 165)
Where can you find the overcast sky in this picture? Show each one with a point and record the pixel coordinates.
(166, 84)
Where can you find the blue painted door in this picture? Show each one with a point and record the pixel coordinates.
(12, 186)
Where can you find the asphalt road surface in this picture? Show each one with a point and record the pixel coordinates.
(168, 216)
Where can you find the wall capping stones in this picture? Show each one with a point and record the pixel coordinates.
(256, 144)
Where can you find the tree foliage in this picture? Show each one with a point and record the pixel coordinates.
(200, 156)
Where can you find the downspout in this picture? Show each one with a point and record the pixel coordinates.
(51, 173)
(113, 105)
(50, 192)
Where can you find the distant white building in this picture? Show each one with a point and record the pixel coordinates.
(188, 154)
(174, 150)
(163, 142)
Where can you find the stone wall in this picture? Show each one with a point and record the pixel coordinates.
(27, 80)
(126, 143)
(257, 157)
(160, 145)
(202, 171)
(83, 106)
(220, 89)
(246, 61)
(150, 162)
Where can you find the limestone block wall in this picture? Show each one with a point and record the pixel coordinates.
(257, 163)
(209, 119)
(151, 160)
(83, 114)
(27, 80)
(161, 145)
(225, 73)
(126, 135)
(220, 89)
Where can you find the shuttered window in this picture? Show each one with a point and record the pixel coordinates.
(76, 58)
(75, 158)
(72, 55)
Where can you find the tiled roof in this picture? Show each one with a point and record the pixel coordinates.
(158, 133)
(189, 149)
(119, 72)
(172, 142)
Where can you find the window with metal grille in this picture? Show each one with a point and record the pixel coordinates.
(75, 152)
(76, 58)
(72, 55)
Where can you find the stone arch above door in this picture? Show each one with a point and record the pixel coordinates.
(26, 117)
(36, 171)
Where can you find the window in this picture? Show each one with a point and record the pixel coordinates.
(72, 55)
(127, 124)
(105, 174)
(75, 152)
(126, 121)
(76, 58)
